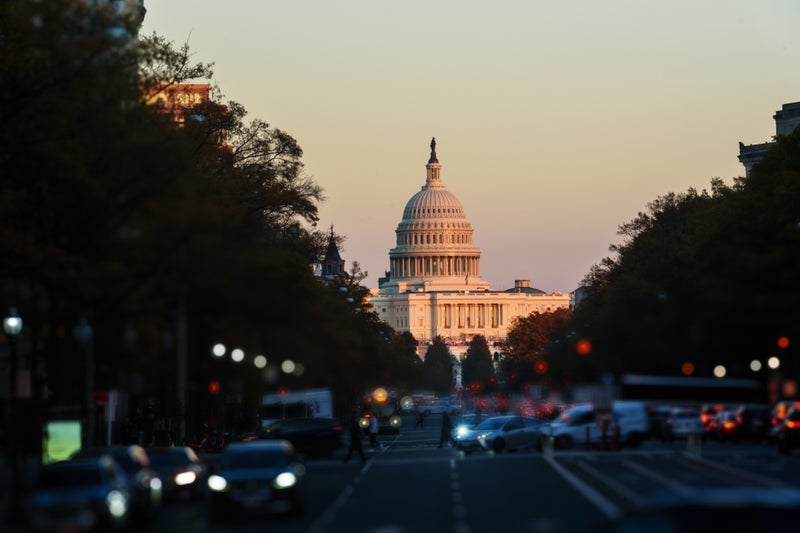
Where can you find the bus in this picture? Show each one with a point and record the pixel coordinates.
(691, 390)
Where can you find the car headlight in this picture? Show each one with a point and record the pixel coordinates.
(185, 478)
(117, 503)
(285, 480)
(217, 483)
(461, 431)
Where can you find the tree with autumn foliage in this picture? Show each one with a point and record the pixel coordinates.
(530, 346)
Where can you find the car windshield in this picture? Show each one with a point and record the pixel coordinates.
(492, 423)
(160, 460)
(58, 477)
(256, 458)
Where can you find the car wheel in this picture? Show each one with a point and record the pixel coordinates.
(498, 445)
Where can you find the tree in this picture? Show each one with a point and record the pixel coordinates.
(701, 277)
(477, 367)
(532, 346)
(439, 366)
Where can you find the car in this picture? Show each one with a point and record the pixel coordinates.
(260, 477)
(788, 436)
(182, 472)
(311, 436)
(626, 423)
(684, 423)
(389, 419)
(144, 485)
(88, 494)
(753, 422)
(466, 422)
(725, 427)
(712, 508)
(501, 433)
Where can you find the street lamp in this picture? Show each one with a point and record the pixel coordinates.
(83, 335)
(12, 325)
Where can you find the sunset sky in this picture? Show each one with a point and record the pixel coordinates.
(555, 122)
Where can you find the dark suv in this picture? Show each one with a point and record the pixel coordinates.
(753, 422)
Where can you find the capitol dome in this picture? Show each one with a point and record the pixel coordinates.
(434, 248)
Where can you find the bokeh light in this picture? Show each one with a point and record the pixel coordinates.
(260, 361)
(755, 365)
(783, 342)
(773, 362)
(583, 347)
(218, 350)
(687, 368)
(541, 367)
(287, 366)
(380, 395)
(720, 371)
(237, 355)
(407, 403)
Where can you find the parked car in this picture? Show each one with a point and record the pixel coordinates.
(260, 476)
(501, 433)
(684, 423)
(79, 495)
(753, 422)
(312, 436)
(144, 485)
(789, 431)
(182, 472)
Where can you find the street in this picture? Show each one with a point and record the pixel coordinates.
(415, 486)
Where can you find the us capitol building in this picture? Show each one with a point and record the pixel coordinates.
(434, 284)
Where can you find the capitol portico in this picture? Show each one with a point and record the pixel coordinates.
(434, 288)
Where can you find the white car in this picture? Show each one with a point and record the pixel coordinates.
(501, 433)
(584, 425)
(684, 423)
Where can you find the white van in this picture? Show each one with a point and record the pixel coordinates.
(582, 425)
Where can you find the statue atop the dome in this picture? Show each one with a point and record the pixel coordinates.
(433, 151)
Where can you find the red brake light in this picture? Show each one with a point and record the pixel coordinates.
(791, 424)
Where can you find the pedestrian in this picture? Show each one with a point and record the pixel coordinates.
(355, 441)
(373, 433)
(420, 419)
(447, 430)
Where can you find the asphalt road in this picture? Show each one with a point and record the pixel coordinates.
(414, 486)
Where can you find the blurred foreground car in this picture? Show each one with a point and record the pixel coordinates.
(789, 431)
(714, 509)
(79, 495)
(312, 436)
(257, 476)
(501, 433)
(182, 473)
(144, 485)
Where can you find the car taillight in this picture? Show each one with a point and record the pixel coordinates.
(792, 424)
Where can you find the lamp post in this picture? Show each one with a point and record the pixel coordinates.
(83, 334)
(12, 326)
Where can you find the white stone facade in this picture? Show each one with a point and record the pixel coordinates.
(433, 287)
